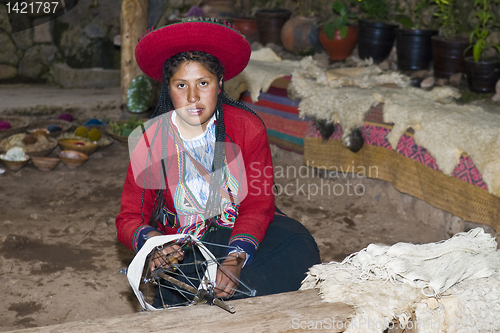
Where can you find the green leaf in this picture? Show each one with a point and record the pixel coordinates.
(338, 6)
(343, 31)
(139, 94)
(476, 51)
(329, 30)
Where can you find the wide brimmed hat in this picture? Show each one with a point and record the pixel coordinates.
(216, 38)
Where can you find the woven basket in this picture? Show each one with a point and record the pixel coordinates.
(43, 124)
(19, 124)
(41, 152)
(451, 194)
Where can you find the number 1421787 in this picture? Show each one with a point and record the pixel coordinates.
(33, 7)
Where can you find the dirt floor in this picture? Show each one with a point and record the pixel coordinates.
(60, 260)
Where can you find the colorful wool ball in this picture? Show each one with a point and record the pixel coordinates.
(4, 125)
(66, 116)
(54, 128)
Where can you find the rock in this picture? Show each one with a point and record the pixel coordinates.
(23, 39)
(385, 65)
(427, 83)
(7, 72)
(8, 51)
(456, 79)
(36, 61)
(69, 77)
(421, 74)
(4, 19)
(42, 31)
(94, 31)
(441, 82)
(322, 59)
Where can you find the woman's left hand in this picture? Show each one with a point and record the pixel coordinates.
(228, 275)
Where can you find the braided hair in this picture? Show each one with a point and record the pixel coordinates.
(213, 65)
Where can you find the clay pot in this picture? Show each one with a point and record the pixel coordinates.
(269, 24)
(414, 48)
(248, 28)
(375, 40)
(448, 55)
(483, 75)
(338, 48)
(300, 35)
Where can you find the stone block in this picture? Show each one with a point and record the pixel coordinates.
(23, 39)
(86, 78)
(8, 50)
(42, 32)
(7, 72)
(4, 19)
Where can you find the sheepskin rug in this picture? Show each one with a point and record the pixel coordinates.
(449, 286)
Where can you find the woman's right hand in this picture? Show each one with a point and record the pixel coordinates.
(173, 253)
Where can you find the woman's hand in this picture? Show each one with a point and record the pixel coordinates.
(174, 252)
(228, 275)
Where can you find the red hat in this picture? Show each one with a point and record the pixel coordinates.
(217, 39)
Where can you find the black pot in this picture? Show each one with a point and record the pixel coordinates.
(375, 40)
(449, 55)
(269, 24)
(414, 48)
(482, 76)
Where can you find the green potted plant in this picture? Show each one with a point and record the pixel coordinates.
(483, 67)
(413, 43)
(338, 35)
(448, 48)
(375, 35)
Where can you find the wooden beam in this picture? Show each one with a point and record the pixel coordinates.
(133, 21)
(296, 311)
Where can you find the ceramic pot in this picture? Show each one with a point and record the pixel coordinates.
(414, 48)
(248, 28)
(269, 24)
(375, 40)
(300, 35)
(339, 48)
(449, 55)
(482, 76)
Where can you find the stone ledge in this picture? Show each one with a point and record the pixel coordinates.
(86, 78)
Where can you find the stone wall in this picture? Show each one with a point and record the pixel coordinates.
(84, 37)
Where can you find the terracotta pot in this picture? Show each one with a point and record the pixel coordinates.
(300, 35)
(483, 75)
(269, 24)
(338, 48)
(248, 28)
(448, 55)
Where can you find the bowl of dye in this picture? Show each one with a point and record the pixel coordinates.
(83, 146)
(45, 163)
(72, 158)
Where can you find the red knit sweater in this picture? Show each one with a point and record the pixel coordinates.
(256, 210)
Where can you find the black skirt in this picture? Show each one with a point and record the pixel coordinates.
(284, 256)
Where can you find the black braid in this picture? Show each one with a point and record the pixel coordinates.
(165, 105)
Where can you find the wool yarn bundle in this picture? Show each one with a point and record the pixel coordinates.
(449, 286)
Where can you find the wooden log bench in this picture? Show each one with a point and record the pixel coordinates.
(296, 311)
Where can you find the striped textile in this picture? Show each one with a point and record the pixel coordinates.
(285, 128)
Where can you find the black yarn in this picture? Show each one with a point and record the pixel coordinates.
(165, 105)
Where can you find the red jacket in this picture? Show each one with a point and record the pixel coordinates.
(256, 210)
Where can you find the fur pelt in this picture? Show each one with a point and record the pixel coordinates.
(450, 286)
